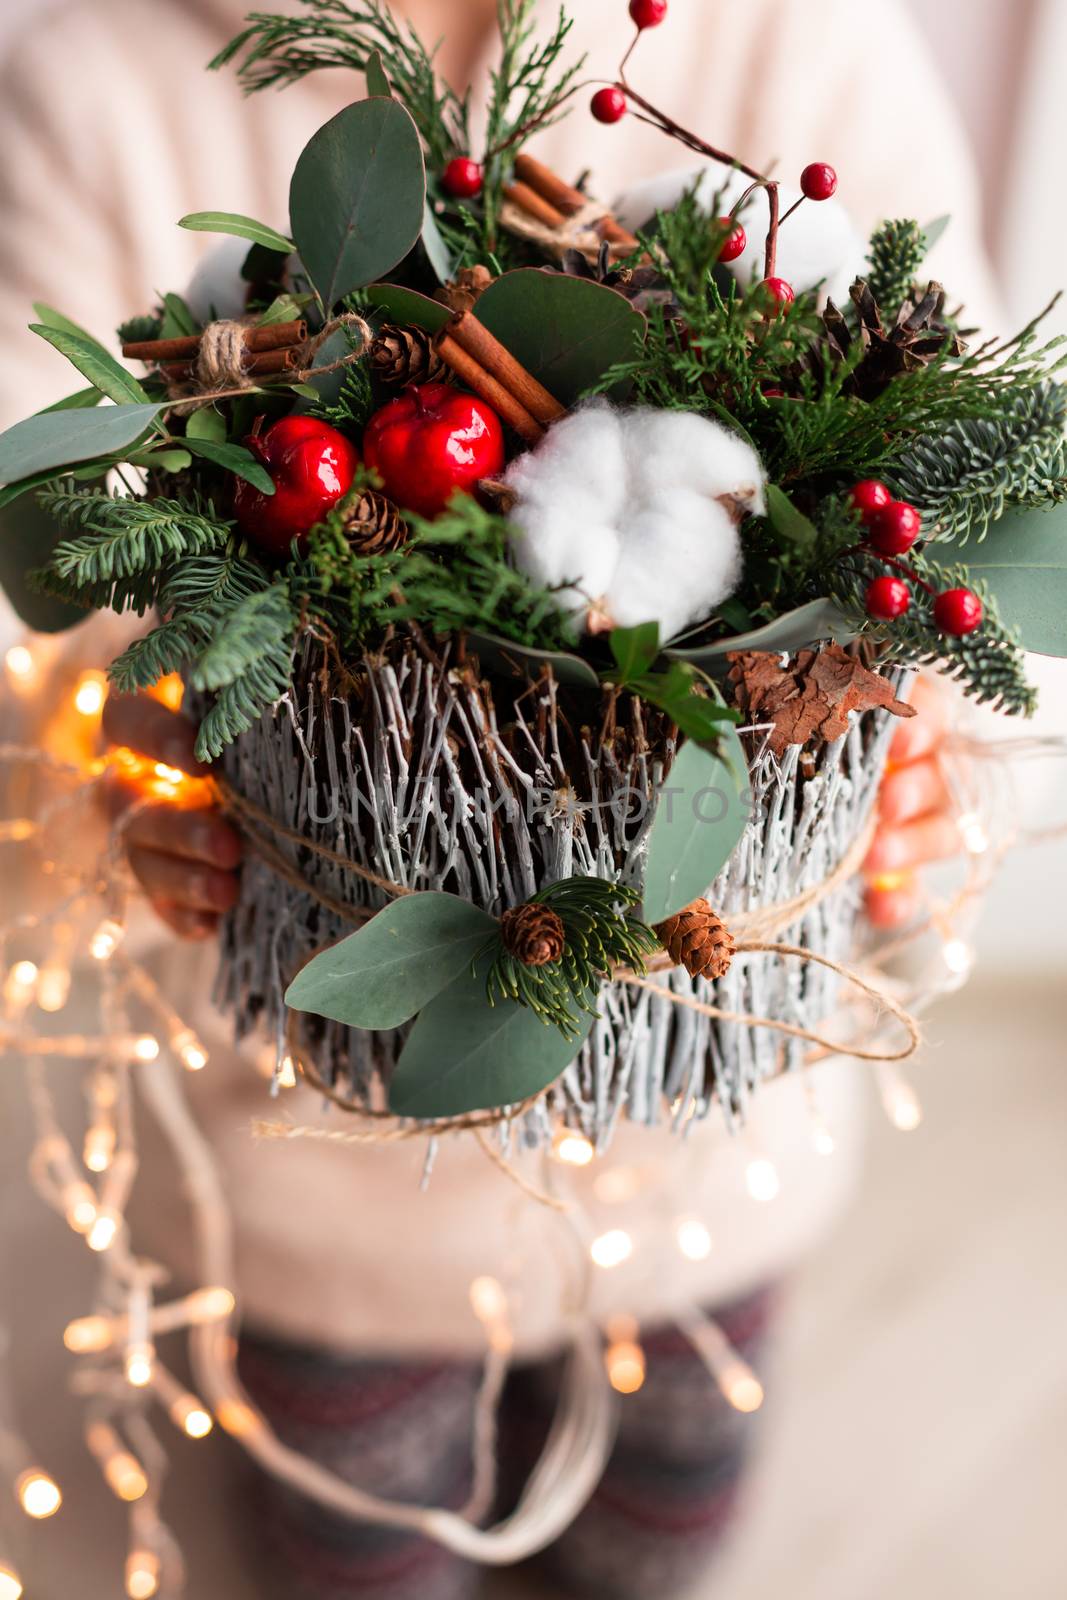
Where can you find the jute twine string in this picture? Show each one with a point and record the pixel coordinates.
(576, 232)
(220, 372)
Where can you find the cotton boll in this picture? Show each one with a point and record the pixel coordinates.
(587, 451)
(682, 558)
(216, 288)
(706, 456)
(566, 544)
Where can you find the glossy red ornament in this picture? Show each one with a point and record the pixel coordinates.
(648, 13)
(958, 611)
(869, 497)
(819, 181)
(894, 528)
(462, 178)
(430, 441)
(735, 242)
(608, 105)
(887, 598)
(312, 466)
(779, 294)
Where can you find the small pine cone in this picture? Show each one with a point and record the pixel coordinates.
(533, 934)
(402, 355)
(698, 940)
(373, 525)
(463, 292)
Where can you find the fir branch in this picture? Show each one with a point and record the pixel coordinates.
(897, 251)
(257, 628)
(964, 478)
(166, 649)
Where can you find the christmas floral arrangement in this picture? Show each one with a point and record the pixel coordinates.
(544, 577)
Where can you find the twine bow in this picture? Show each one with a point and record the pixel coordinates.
(220, 371)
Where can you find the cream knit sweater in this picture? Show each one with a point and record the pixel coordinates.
(111, 131)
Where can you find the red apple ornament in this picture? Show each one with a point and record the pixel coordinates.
(312, 466)
(431, 441)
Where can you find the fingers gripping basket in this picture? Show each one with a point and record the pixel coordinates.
(421, 769)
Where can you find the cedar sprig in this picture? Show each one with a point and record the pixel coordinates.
(600, 934)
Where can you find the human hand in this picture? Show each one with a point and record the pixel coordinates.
(916, 818)
(185, 857)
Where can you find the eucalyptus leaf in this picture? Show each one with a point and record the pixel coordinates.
(207, 423)
(165, 460)
(51, 318)
(56, 439)
(464, 1055)
(793, 630)
(514, 660)
(95, 363)
(934, 230)
(236, 459)
(787, 520)
(701, 813)
(376, 76)
(283, 308)
(27, 539)
(357, 197)
(80, 400)
(1023, 560)
(242, 227)
(684, 696)
(567, 331)
(388, 970)
(437, 251)
(408, 306)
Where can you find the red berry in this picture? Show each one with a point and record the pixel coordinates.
(868, 497)
(958, 611)
(818, 181)
(735, 242)
(312, 466)
(779, 294)
(894, 529)
(887, 598)
(772, 392)
(648, 13)
(431, 441)
(609, 105)
(462, 178)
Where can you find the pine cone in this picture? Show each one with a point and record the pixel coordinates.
(914, 339)
(373, 525)
(465, 289)
(533, 934)
(698, 940)
(402, 355)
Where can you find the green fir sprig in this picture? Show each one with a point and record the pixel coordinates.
(897, 251)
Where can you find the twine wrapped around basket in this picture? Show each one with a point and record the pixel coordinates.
(423, 770)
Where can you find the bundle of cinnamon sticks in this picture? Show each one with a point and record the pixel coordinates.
(548, 199)
(480, 361)
(268, 349)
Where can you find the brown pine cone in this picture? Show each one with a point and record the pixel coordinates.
(463, 291)
(373, 525)
(533, 934)
(698, 940)
(402, 355)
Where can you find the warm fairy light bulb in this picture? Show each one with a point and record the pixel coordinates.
(624, 1360)
(140, 1365)
(20, 663)
(126, 1477)
(146, 1048)
(741, 1386)
(53, 987)
(822, 1140)
(287, 1073)
(171, 777)
(488, 1300)
(99, 1147)
(79, 1208)
(142, 1574)
(20, 983)
(10, 1583)
(189, 1050)
(102, 1234)
(762, 1180)
(572, 1148)
(210, 1305)
(90, 692)
(611, 1249)
(106, 939)
(957, 956)
(187, 1413)
(236, 1419)
(169, 691)
(973, 834)
(694, 1240)
(38, 1494)
(17, 831)
(88, 1335)
(905, 1112)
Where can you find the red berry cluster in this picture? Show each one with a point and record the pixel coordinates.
(891, 528)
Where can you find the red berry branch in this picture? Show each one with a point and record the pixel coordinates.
(892, 527)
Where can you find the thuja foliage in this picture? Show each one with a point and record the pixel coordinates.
(599, 933)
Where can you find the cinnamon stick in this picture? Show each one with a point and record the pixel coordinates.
(534, 176)
(474, 337)
(534, 205)
(271, 361)
(488, 388)
(275, 336)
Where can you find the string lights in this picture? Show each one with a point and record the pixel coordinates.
(38, 1494)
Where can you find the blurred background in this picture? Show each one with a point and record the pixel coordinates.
(922, 1377)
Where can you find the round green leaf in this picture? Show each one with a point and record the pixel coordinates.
(567, 331)
(408, 305)
(381, 975)
(465, 1055)
(702, 810)
(1023, 560)
(357, 197)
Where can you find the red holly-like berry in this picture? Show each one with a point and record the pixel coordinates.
(894, 529)
(648, 13)
(887, 598)
(608, 105)
(779, 294)
(818, 181)
(869, 497)
(312, 466)
(430, 441)
(462, 178)
(958, 611)
(735, 242)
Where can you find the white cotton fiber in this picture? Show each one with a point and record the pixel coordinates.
(819, 244)
(216, 288)
(632, 515)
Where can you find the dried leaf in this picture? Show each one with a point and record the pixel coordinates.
(812, 696)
